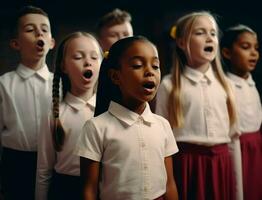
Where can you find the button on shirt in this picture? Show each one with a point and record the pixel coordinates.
(248, 103)
(206, 119)
(25, 99)
(131, 149)
(74, 112)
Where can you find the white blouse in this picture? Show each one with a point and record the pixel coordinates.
(25, 100)
(248, 103)
(206, 119)
(131, 149)
(74, 112)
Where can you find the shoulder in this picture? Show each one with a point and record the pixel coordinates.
(161, 120)
(100, 122)
(5, 78)
(167, 82)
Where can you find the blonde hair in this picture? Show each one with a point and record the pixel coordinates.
(58, 131)
(184, 27)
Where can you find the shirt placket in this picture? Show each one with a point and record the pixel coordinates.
(207, 107)
(37, 100)
(145, 167)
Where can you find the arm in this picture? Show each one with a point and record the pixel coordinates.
(171, 189)
(46, 159)
(89, 173)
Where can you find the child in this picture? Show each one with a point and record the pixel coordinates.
(198, 102)
(132, 145)
(24, 102)
(113, 26)
(77, 64)
(240, 52)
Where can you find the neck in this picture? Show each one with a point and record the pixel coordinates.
(200, 67)
(241, 74)
(136, 107)
(85, 95)
(33, 64)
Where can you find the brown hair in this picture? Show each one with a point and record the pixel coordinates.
(114, 17)
(25, 11)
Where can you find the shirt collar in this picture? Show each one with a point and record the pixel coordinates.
(238, 81)
(129, 117)
(78, 103)
(26, 72)
(196, 76)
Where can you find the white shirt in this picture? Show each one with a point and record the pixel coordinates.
(132, 149)
(74, 112)
(206, 119)
(248, 103)
(25, 100)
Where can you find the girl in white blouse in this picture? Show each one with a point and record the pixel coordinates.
(77, 67)
(131, 145)
(198, 102)
(239, 46)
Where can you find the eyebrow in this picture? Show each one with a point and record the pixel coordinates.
(141, 57)
(32, 24)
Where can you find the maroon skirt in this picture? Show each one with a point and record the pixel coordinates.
(251, 150)
(204, 173)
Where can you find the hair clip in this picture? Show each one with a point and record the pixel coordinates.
(173, 32)
(106, 54)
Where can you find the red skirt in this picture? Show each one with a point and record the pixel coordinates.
(251, 150)
(204, 173)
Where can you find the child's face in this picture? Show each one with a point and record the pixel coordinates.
(244, 54)
(34, 38)
(110, 34)
(82, 61)
(139, 75)
(203, 43)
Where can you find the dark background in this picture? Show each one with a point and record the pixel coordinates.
(152, 19)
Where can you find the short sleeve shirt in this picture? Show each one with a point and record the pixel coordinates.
(131, 149)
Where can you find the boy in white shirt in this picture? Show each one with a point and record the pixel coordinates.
(24, 102)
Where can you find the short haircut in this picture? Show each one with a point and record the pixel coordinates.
(114, 17)
(24, 11)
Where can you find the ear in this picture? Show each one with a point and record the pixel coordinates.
(14, 44)
(114, 76)
(226, 53)
(181, 43)
(52, 44)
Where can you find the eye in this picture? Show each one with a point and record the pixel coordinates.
(77, 57)
(156, 67)
(213, 34)
(45, 30)
(136, 66)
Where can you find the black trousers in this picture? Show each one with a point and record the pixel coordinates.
(64, 187)
(18, 174)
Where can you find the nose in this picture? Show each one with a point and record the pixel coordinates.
(149, 71)
(255, 52)
(87, 63)
(39, 32)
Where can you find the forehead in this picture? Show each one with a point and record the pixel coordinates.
(141, 49)
(247, 37)
(82, 43)
(33, 19)
(125, 26)
(204, 21)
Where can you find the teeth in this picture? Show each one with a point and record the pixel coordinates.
(88, 74)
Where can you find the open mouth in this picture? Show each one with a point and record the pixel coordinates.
(88, 74)
(40, 43)
(149, 85)
(208, 49)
